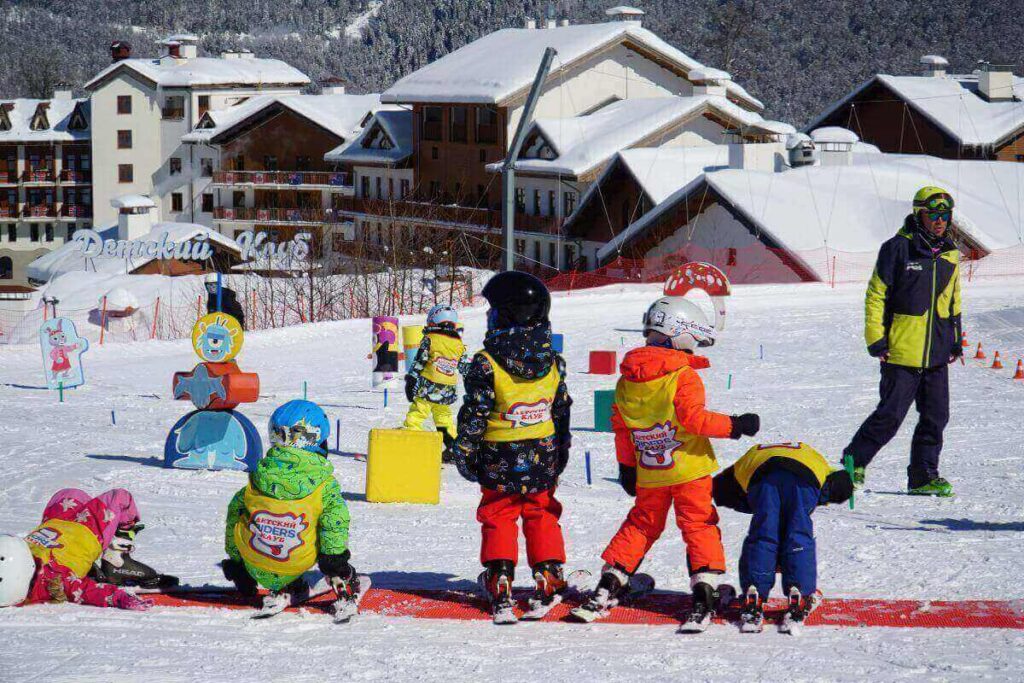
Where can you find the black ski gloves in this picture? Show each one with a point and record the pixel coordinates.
(410, 388)
(880, 349)
(837, 489)
(747, 424)
(236, 573)
(627, 479)
(335, 565)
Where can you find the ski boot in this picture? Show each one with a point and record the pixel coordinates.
(350, 590)
(118, 567)
(551, 588)
(752, 614)
(275, 602)
(496, 581)
(611, 588)
(706, 597)
(936, 487)
(799, 608)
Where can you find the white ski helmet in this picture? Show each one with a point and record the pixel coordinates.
(442, 313)
(682, 321)
(16, 570)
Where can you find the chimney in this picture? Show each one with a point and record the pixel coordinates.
(332, 86)
(120, 50)
(550, 23)
(995, 82)
(530, 23)
(174, 49)
(229, 54)
(708, 81)
(245, 54)
(934, 66)
(62, 92)
(757, 156)
(624, 13)
(834, 145)
(563, 22)
(182, 46)
(135, 215)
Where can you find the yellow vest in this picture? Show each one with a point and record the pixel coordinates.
(665, 453)
(746, 466)
(443, 361)
(279, 535)
(522, 407)
(71, 544)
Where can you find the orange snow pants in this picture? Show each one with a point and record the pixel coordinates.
(696, 517)
(499, 515)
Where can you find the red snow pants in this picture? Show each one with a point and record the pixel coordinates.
(696, 517)
(499, 515)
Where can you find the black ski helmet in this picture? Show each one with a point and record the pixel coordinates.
(516, 299)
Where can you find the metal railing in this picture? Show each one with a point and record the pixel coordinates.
(293, 178)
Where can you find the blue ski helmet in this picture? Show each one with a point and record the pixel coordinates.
(300, 424)
(440, 314)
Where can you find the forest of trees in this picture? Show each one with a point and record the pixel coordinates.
(795, 55)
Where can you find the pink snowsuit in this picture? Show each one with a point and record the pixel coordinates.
(103, 516)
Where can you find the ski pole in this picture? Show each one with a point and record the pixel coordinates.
(337, 434)
(586, 463)
(113, 418)
(60, 390)
(848, 466)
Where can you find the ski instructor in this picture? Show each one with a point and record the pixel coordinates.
(912, 325)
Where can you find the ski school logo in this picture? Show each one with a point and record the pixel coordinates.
(446, 366)
(45, 538)
(528, 414)
(276, 536)
(656, 445)
(915, 265)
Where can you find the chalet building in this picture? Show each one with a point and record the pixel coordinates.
(270, 171)
(951, 116)
(143, 107)
(465, 108)
(45, 181)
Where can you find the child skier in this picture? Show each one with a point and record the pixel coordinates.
(430, 384)
(53, 562)
(780, 485)
(290, 516)
(514, 440)
(662, 432)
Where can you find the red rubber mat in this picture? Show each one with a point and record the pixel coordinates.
(660, 608)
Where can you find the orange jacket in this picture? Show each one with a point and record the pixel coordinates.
(652, 362)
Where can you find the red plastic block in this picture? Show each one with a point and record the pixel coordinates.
(603, 362)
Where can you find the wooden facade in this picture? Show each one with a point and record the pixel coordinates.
(277, 139)
(622, 201)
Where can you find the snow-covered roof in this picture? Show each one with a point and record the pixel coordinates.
(69, 258)
(396, 124)
(796, 139)
(934, 60)
(772, 127)
(339, 114)
(953, 104)
(20, 113)
(834, 134)
(133, 201)
(169, 72)
(499, 65)
(584, 142)
(855, 208)
(624, 11)
(708, 73)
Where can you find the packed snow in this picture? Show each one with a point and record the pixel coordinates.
(815, 383)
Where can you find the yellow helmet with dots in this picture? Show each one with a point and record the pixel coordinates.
(933, 198)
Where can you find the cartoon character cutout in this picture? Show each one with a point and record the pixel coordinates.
(217, 338)
(62, 353)
(213, 439)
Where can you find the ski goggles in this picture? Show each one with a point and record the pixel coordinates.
(938, 203)
(944, 216)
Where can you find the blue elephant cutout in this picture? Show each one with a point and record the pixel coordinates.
(213, 440)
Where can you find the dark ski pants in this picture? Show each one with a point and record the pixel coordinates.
(781, 534)
(901, 386)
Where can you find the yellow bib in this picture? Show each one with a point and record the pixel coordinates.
(760, 454)
(279, 535)
(665, 453)
(71, 544)
(522, 407)
(443, 362)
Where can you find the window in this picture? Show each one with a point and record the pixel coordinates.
(460, 124)
(435, 189)
(568, 256)
(486, 125)
(302, 163)
(625, 212)
(536, 252)
(377, 182)
(483, 156)
(364, 186)
(391, 188)
(536, 203)
(125, 173)
(48, 232)
(552, 254)
(520, 246)
(124, 104)
(551, 203)
(71, 231)
(239, 162)
(403, 186)
(33, 233)
(433, 153)
(175, 165)
(520, 200)
(207, 167)
(238, 199)
(568, 203)
(432, 123)
(174, 107)
(177, 202)
(204, 105)
(6, 268)
(269, 162)
(1020, 157)
(480, 194)
(207, 202)
(12, 232)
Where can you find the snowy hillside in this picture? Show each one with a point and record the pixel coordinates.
(815, 384)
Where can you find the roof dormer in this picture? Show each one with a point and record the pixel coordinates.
(537, 146)
(78, 119)
(39, 119)
(5, 118)
(378, 138)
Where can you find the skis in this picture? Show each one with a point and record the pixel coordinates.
(640, 585)
(799, 608)
(347, 604)
(537, 608)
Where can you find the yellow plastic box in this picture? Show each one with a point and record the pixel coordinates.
(404, 466)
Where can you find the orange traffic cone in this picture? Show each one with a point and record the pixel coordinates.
(980, 355)
(1020, 370)
(996, 363)
(963, 340)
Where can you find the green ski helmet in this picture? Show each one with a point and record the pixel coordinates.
(932, 198)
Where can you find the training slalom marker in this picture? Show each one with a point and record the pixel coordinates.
(1020, 370)
(996, 363)
(979, 355)
(963, 340)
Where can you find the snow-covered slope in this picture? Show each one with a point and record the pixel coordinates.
(815, 384)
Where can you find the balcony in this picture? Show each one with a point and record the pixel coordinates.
(39, 211)
(75, 211)
(8, 212)
(41, 175)
(283, 178)
(8, 177)
(72, 177)
(253, 215)
(427, 212)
